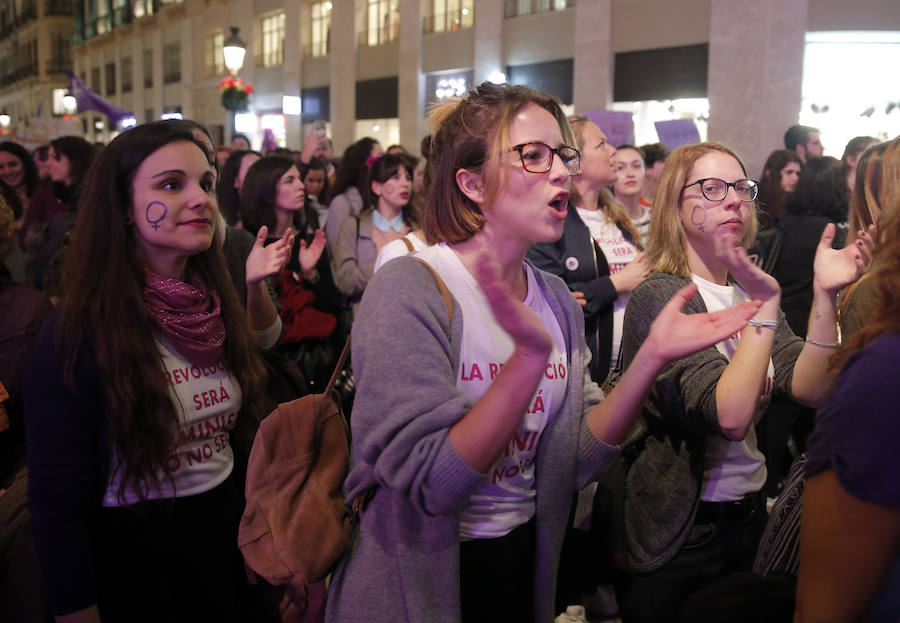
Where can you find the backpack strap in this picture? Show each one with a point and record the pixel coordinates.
(338, 367)
(409, 245)
(442, 288)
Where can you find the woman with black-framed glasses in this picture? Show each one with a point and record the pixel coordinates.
(693, 504)
(475, 421)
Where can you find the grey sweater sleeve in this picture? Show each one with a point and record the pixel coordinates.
(407, 399)
(685, 389)
(350, 277)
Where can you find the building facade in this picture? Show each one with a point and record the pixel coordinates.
(371, 67)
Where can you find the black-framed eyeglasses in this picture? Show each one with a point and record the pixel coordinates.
(715, 189)
(538, 157)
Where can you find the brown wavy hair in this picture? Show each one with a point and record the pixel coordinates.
(873, 183)
(102, 311)
(885, 268)
(470, 133)
(666, 245)
(611, 208)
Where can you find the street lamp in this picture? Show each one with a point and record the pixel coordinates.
(234, 50)
(70, 104)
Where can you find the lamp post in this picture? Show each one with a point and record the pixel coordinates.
(234, 50)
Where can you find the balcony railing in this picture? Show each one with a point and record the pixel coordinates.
(516, 8)
(317, 48)
(59, 7)
(377, 36)
(455, 20)
(58, 65)
(27, 70)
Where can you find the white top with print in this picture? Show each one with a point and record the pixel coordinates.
(207, 400)
(619, 253)
(508, 500)
(733, 468)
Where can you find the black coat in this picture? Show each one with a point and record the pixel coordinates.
(579, 261)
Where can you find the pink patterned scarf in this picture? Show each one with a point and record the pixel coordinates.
(189, 315)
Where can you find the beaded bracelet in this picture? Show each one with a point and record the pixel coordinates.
(832, 346)
(763, 324)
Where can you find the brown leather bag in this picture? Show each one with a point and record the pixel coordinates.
(295, 525)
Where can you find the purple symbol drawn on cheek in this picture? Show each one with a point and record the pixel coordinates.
(155, 213)
(698, 222)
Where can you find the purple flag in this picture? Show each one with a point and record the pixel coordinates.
(677, 132)
(618, 126)
(87, 99)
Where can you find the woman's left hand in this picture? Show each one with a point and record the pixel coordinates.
(835, 268)
(265, 261)
(674, 334)
(309, 255)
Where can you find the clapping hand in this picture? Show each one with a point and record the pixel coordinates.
(674, 335)
(835, 268)
(309, 255)
(265, 261)
(753, 279)
(523, 326)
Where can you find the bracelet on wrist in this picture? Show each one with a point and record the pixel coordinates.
(763, 324)
(828, 346)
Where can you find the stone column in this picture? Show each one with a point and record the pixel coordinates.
(293, 57)
(755, 74)
(488, 39)
(594, 56)
(411, 81)
(156, 96)
(343, 73)
(189, 50)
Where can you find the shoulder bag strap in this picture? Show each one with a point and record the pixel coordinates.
(442, 288)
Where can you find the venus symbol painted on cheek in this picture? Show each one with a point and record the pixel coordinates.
(155, 213)
(698, 221)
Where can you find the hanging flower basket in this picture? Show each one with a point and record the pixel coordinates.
(235, 94)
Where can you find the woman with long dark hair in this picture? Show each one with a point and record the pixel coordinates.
(18, 170)
(474, 422)
(778, 180)
(347, 196)
(387, 216)
(134, 392)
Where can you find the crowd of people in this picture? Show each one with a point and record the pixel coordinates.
(609, 406)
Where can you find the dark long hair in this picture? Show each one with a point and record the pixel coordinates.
(353, 170)
(772, 197)
(31, 178)
(382, 170)
(80, 154)
(822, 190)
(103, 310)
(259, 192)
(227, 195)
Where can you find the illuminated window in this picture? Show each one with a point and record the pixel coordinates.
(172, 62)
(514, 8)
(382, 23)
(272, 28)
(320, 23)
(215, 58)
(450, 15)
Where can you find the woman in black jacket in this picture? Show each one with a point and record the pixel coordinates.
(598, 255)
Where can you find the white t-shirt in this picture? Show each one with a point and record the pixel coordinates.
(207, 400)
(733, 468)
(508, 501)
(642, 223)
(398, 248)
(619, 253)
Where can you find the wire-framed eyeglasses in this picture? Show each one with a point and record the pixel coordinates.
(715, 189)
(538, 157)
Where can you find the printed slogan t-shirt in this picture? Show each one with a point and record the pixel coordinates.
(619, 253)
(508, 500)
(207, 399)
(733, 468)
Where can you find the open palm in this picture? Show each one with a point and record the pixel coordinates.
(836, 268)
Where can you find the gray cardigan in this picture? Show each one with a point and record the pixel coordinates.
(403, 564)
(354, 255)
(665, 455)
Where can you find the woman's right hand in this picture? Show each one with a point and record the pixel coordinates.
(629, 277)
(523, 326)
(754, 280)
